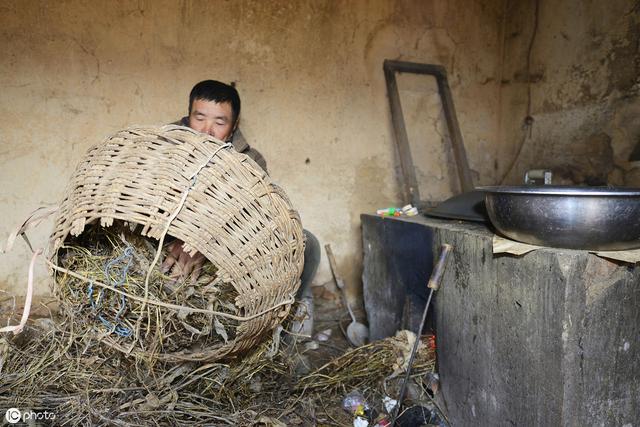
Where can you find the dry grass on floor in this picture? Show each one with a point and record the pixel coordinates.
(85, 382)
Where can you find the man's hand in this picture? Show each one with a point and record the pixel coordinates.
(181, 264)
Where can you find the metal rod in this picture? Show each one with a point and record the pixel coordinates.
(434, 284)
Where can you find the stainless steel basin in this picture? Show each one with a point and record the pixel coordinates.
(590, 218)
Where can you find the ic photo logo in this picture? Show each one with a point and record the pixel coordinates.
(15, 415)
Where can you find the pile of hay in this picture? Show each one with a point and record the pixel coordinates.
(369, 365)
(83, 366)
(120, 257)
(84, 381)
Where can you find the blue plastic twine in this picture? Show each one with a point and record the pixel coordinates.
(118, 280)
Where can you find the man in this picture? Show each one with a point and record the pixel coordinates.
(214, 109)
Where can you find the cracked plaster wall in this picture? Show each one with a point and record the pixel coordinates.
(584, 80)
(309, 74)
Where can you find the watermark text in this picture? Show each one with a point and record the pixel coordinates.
(15, 415)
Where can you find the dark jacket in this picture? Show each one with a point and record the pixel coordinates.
(239, 143)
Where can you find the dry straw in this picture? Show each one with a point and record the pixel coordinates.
(55, 368)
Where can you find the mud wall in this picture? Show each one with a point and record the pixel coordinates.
(570, 91)
(309, 74)
(537, 84)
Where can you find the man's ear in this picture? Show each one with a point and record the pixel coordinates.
(233, 130)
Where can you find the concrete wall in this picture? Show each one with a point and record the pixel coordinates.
(584, 85)
(309, 74)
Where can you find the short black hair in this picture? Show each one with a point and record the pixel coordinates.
(213, 90)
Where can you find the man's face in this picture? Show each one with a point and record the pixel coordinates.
(215, 119)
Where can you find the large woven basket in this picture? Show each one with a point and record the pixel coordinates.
(233, 214)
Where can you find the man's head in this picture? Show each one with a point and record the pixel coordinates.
(214, 108)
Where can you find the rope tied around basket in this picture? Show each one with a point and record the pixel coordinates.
(192, 179)
(114, 327)
(183, 199)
